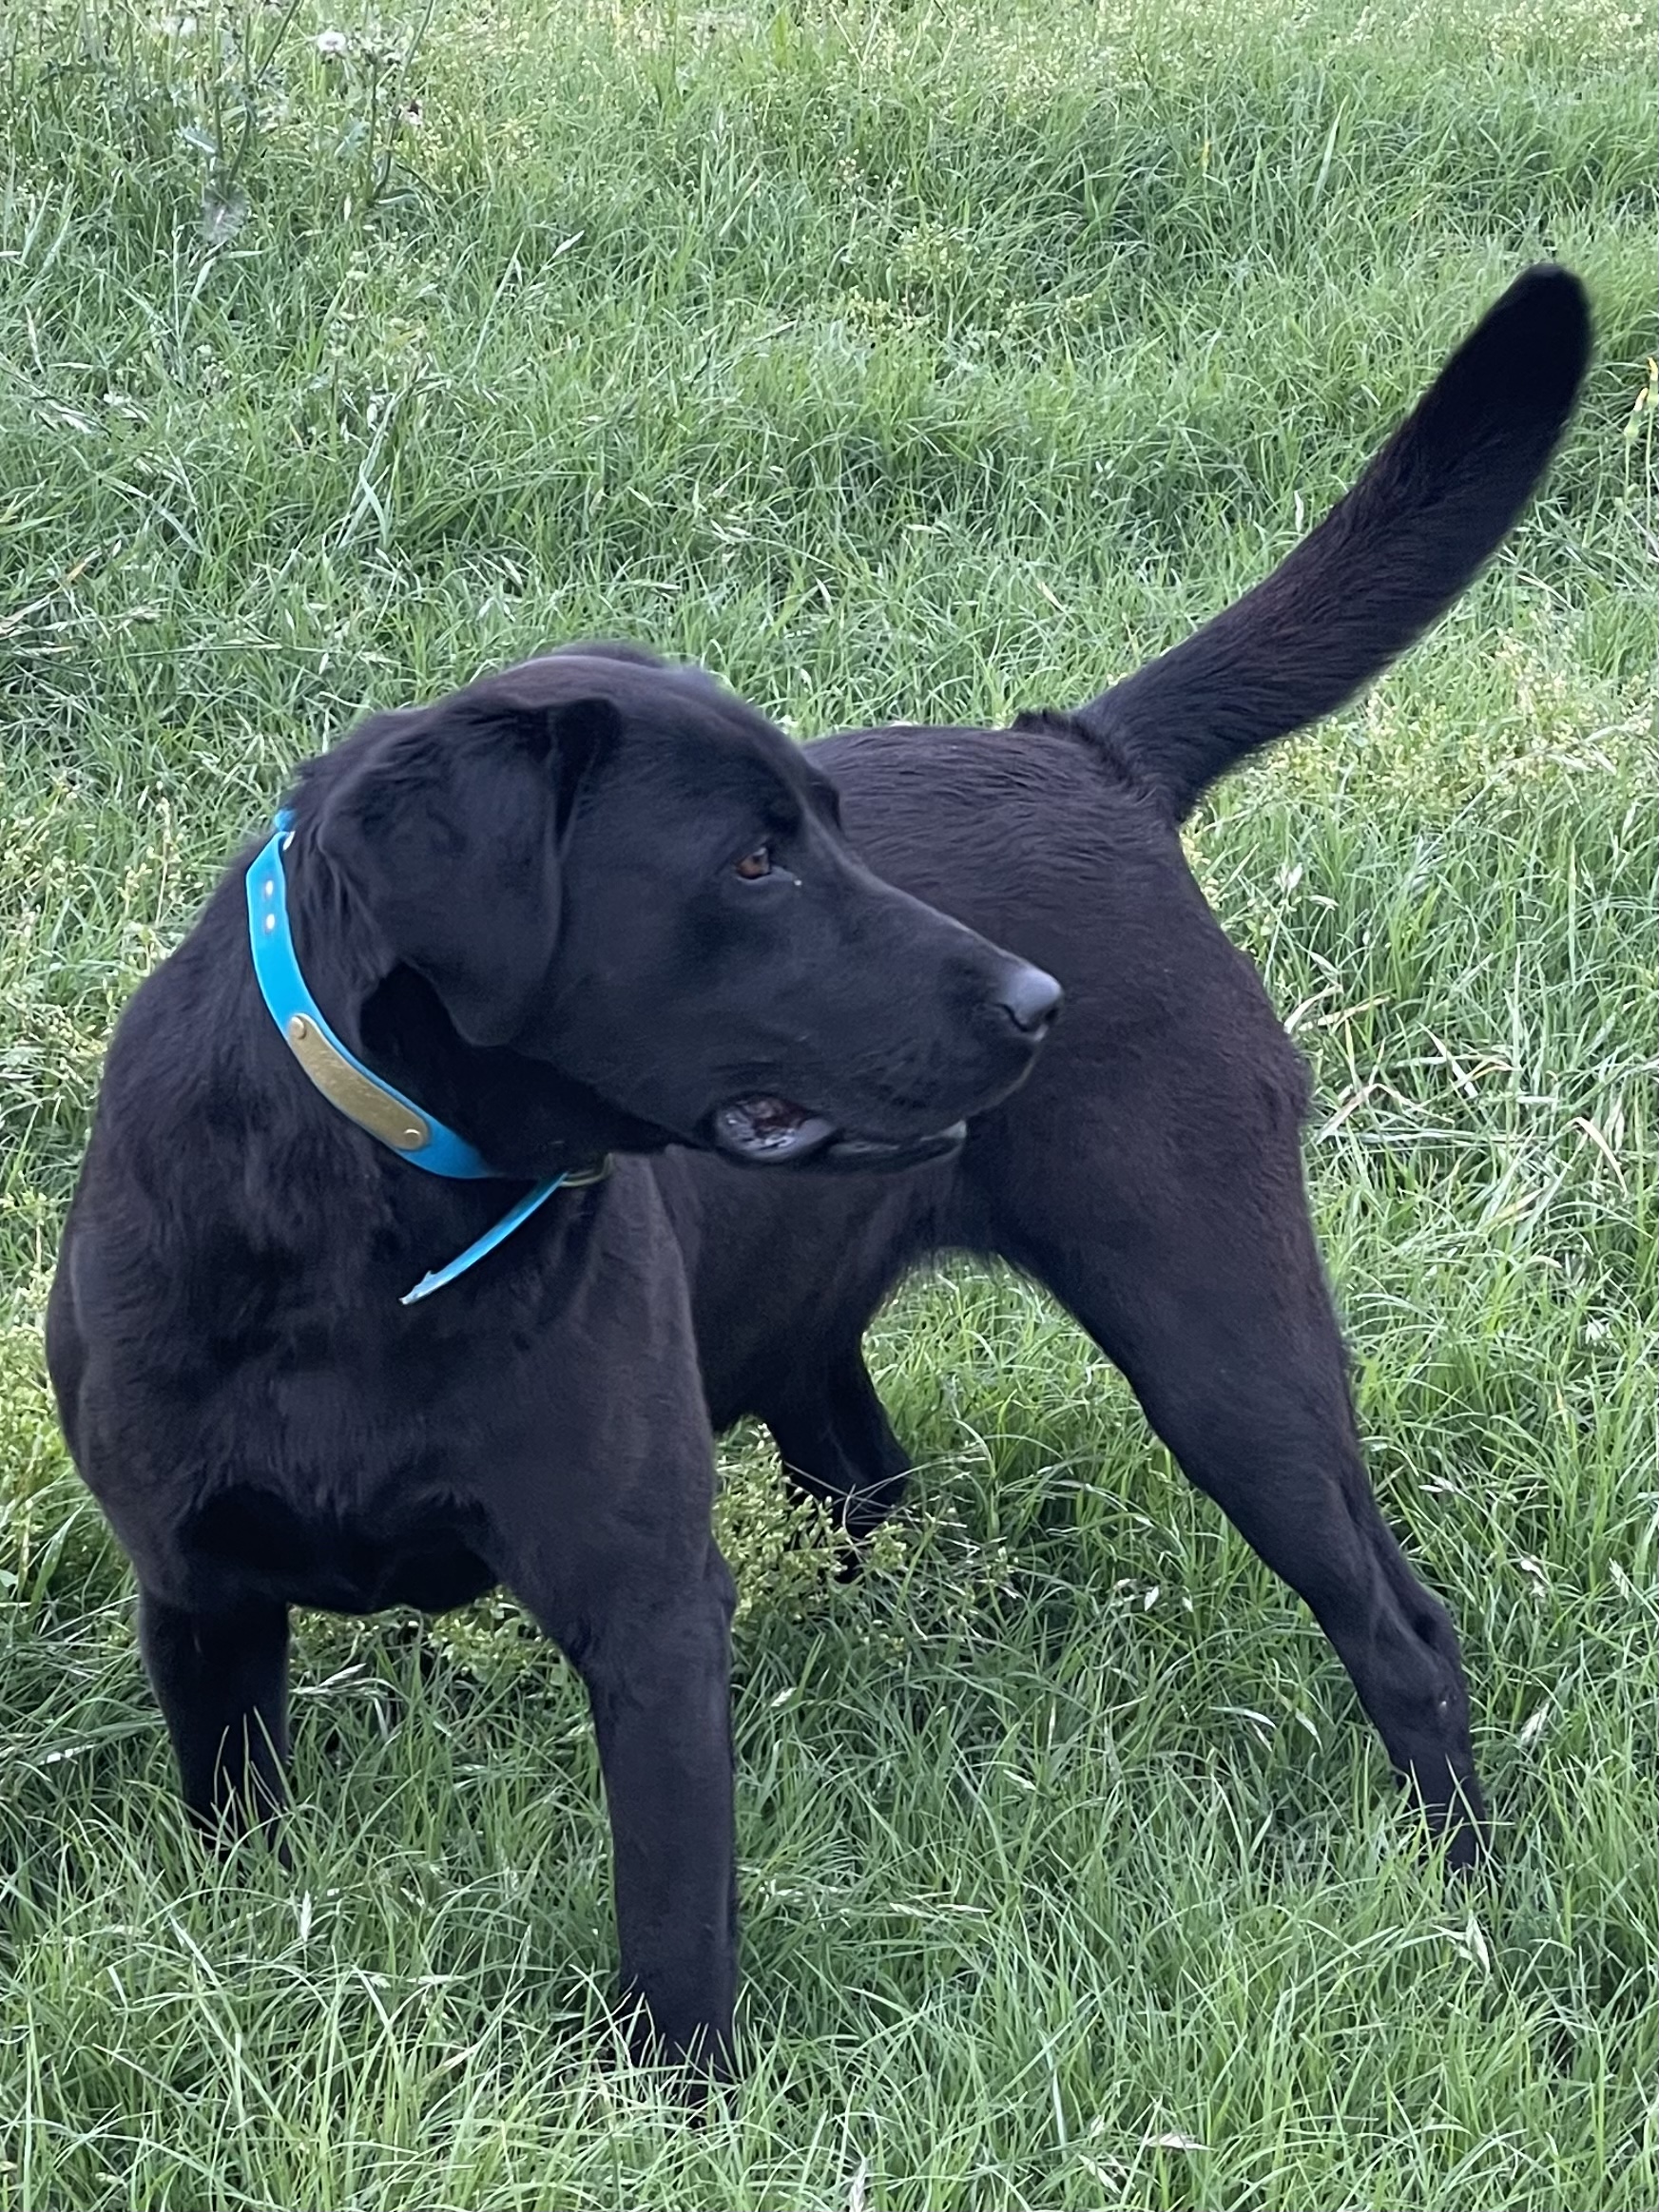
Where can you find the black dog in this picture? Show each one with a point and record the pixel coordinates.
(592, 905)
(266, 1424)
(1149, 1173)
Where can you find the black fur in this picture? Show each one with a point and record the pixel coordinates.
(265, 1426)
(521, 906)
(1386, 562)
(1149, 1173)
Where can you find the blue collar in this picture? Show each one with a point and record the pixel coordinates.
(363, 1097)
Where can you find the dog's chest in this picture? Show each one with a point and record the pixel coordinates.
(318, 1553)
(355, 1483)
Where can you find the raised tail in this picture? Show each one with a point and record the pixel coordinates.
(1386, 562)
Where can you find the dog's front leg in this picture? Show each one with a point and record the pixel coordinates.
(221, 1679)
(660, 1686)
(657, 1666)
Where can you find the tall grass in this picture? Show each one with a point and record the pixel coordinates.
(912, 359)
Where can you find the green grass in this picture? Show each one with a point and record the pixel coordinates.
(894, 358)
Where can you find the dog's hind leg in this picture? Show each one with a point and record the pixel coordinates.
(832, 1436)
(221, 1681)
(1205, 1287)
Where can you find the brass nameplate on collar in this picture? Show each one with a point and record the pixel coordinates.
(358, 1099)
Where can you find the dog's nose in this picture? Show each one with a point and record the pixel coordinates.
(1030, 999)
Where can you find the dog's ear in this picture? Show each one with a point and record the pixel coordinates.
(446, 831)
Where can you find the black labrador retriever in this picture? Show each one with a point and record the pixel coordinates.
(596, 906)
(1149, 1173)
(590, 907)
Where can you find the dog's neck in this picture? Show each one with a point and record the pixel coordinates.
(339, 958)
(523, 1115)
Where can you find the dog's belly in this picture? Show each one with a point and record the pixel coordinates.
(332, 1562)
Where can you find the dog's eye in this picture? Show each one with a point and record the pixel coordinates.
(756, 864)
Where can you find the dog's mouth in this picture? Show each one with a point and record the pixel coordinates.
(774, 1132)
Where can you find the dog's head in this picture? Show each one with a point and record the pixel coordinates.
(598, 902)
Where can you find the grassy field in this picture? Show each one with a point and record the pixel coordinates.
(926, 359)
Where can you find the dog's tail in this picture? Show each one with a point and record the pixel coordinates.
(1414, 532)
